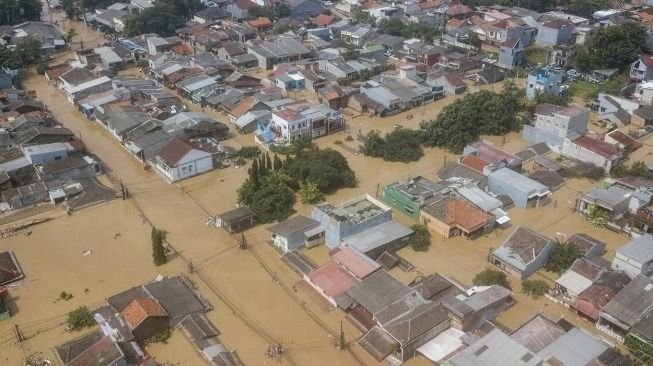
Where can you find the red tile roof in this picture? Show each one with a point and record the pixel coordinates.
(474, 162)
(454, 79)
(647, 60)
(289, 114)
(175, 150)
(459, 9)
(260, 22)
(181, 49)
(599, 147)
(324, 19)
(354, 261)
(141, 309)
(464, 214)
(244, 4)
(331, 279)
(622, 138)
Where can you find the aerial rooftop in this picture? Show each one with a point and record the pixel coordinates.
(356, 210)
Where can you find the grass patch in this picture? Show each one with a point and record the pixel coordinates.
(536, 55)
(584, 89)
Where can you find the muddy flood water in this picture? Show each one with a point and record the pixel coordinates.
(258, 300)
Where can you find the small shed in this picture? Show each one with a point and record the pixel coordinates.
(236, 220)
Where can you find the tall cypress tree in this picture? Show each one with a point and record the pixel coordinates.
(268, 162)
(254, 173)
(277, 162)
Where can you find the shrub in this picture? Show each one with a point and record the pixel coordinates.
(349, 138)
(42, 68)
(562, 257)
(421, 239)
(310, 193)
(489, 277)
(534, 288)
(158, 251)
(80, 318)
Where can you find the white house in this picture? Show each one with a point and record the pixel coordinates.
(635, 257)
(596, 152)
(83, 90)
(181, 159)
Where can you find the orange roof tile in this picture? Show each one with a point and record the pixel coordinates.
(465, 214)
(141, 309)
(324, 19)
(260, 22)
(474, 162)
(243, 107)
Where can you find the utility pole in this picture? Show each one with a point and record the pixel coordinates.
(341, 343)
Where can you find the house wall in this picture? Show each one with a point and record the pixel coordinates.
(640, 72)
(44, 157)
(511, 270)
(638, 121)
(535, 136)
(401, 203)
(549, 84)
(539, 262)
(510, 57)
(550, 36)
(571, 150)
(391, 247)
(560, 125)
(498, 186)
(436, 225)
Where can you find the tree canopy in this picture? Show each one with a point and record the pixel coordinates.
(612, 47)
(9, 58)
(489, 277)
(399, 145)
(327, 168)
(421, 239)
(396, 27)
(18, 11)
(562, 257)
(164, 18)
(481, 113)
(80, 318)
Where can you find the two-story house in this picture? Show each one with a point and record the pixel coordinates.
(555, 123)
(636, 257)
(554, 32)
(543, 81)
(642, 69)
(494, 33)
(510, 53)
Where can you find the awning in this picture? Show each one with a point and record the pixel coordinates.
(503, 220)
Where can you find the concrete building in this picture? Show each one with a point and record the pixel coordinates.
(409, 197)
(511, 53)
(495, 348)
(616, 109)
(614, 201)
(522, 253)
(296, 232)
(523, 191)
(636, 257)
(554, 32)
(591, 151)
(350, 217)
(554, 123)
(453, 216)
(543, 81)
(299, 120)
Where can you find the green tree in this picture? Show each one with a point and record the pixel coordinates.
(534, 288)
(615, 84)
(71, 8)
(9, 58)
(327, 168)
(562, 257)
(310, 193)
(272, 202)
(464, 120)
(374, 144)
(18, 11)
(402, 145)
(616, 46)
(350, 53)
(489, 277)
(475, 41)
(392, 26)
(421, 239)
(361, 17)
(585, 8)
(70, 34)
(640, 349)
(277, 163)
(29, 50)
(249, 152)
(536, 54)
(80, 318)
(158, 251)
